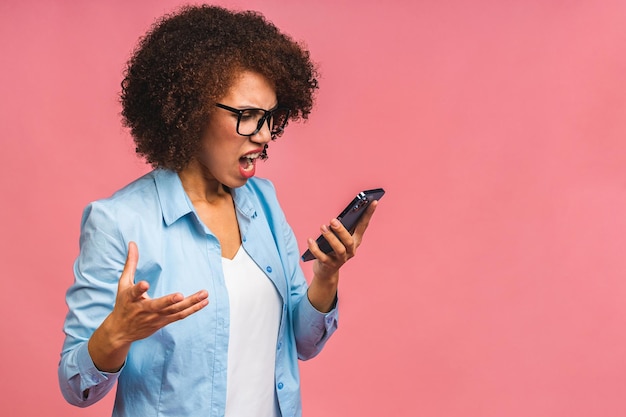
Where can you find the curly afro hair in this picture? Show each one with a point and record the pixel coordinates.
(188, 60)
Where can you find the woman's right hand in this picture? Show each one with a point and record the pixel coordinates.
(136, 316)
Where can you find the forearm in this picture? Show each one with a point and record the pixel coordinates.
(107, 350)
(322, 293)
(315, 318)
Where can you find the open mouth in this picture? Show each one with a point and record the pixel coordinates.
(247, 162)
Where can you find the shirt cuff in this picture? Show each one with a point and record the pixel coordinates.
(90, 375)
(326, 323)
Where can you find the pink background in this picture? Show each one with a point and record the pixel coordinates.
(492, 281)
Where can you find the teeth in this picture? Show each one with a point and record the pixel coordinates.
(249, 159)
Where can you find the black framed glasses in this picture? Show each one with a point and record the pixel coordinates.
(250, 121)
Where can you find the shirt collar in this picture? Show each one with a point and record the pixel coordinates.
(243, 203)
(172, 196)
(175, 203)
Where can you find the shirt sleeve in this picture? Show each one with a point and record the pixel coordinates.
(82, 384)
(90, 299)
(312, 328)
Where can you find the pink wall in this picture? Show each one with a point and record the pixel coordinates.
(492, 281)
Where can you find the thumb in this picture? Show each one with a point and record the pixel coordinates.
(128, 274)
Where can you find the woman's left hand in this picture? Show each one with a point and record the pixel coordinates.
(323, 288)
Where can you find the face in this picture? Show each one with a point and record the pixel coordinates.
(226, 156)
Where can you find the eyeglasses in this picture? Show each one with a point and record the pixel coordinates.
(250, 121)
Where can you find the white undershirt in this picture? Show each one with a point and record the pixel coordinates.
(255, 308)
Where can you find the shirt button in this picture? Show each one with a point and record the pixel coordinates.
(268, 269)
(280, 344)
(280, 385)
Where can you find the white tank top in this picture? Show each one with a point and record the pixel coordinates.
(255, 308)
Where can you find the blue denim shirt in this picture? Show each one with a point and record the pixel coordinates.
(181, 369)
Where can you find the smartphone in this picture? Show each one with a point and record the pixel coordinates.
(349, 217)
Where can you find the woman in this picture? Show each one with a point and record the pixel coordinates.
(205, 92)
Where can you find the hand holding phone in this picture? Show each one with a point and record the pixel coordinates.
(349, 217)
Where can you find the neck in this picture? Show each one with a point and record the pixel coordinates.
(199, 185)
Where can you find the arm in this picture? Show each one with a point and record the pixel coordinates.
(323, 289)
(107, 314)
(315, 318)
(313, 309)
(136, 316)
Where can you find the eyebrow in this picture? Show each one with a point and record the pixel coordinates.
(252, 107)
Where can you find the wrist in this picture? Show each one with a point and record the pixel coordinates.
(107, 348)
(322, 293)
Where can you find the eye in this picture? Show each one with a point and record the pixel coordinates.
(251, 115)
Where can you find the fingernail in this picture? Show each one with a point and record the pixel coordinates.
(324, 228)
(335, 223)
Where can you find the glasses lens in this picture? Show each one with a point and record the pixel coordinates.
(252, 120)
(249, 121)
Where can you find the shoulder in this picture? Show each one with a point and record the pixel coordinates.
(138, 190)
(133, 190)
(132, 200)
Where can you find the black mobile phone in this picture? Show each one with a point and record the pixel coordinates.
(349, 217)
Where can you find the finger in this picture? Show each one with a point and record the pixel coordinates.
(314, 248)
(342, 233)
(337, 243)
(188, 307)
(174, 303)
(364, 222)
(127, 279)
(139, 290)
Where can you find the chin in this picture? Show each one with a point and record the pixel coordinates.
(235, 183)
